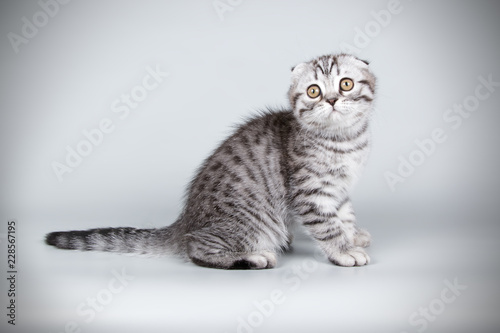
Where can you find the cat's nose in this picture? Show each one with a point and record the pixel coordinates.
(331, 101)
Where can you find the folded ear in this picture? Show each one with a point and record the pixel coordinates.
(364, 61)
(298, 70)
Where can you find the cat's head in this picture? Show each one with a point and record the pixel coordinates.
(332, 93)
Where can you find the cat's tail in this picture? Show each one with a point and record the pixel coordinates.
(121, 240)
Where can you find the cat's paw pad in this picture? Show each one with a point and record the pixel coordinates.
(353, 257)
(362, 238)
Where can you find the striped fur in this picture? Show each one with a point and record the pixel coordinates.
(278, 168)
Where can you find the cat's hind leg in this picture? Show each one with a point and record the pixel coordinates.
(206, 248)
(199, 255)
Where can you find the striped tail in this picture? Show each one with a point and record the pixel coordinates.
(121, 240)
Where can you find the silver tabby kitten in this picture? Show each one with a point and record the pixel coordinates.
(277, 169)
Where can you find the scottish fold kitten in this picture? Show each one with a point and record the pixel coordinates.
(281, 167)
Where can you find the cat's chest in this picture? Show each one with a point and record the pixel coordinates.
(328, 155)
(326, 163)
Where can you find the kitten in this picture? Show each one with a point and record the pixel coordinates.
(279, 168)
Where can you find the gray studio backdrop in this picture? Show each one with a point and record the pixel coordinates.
(108, 107)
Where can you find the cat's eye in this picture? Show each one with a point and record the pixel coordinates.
(346, 84)
(313, 91)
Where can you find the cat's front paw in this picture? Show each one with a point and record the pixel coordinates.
(353, 257)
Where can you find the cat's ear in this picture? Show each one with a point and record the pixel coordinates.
(366, 62)
(298, 70)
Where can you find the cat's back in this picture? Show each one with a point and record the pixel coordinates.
(265, 127)
(248, 166)
(258, 138)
